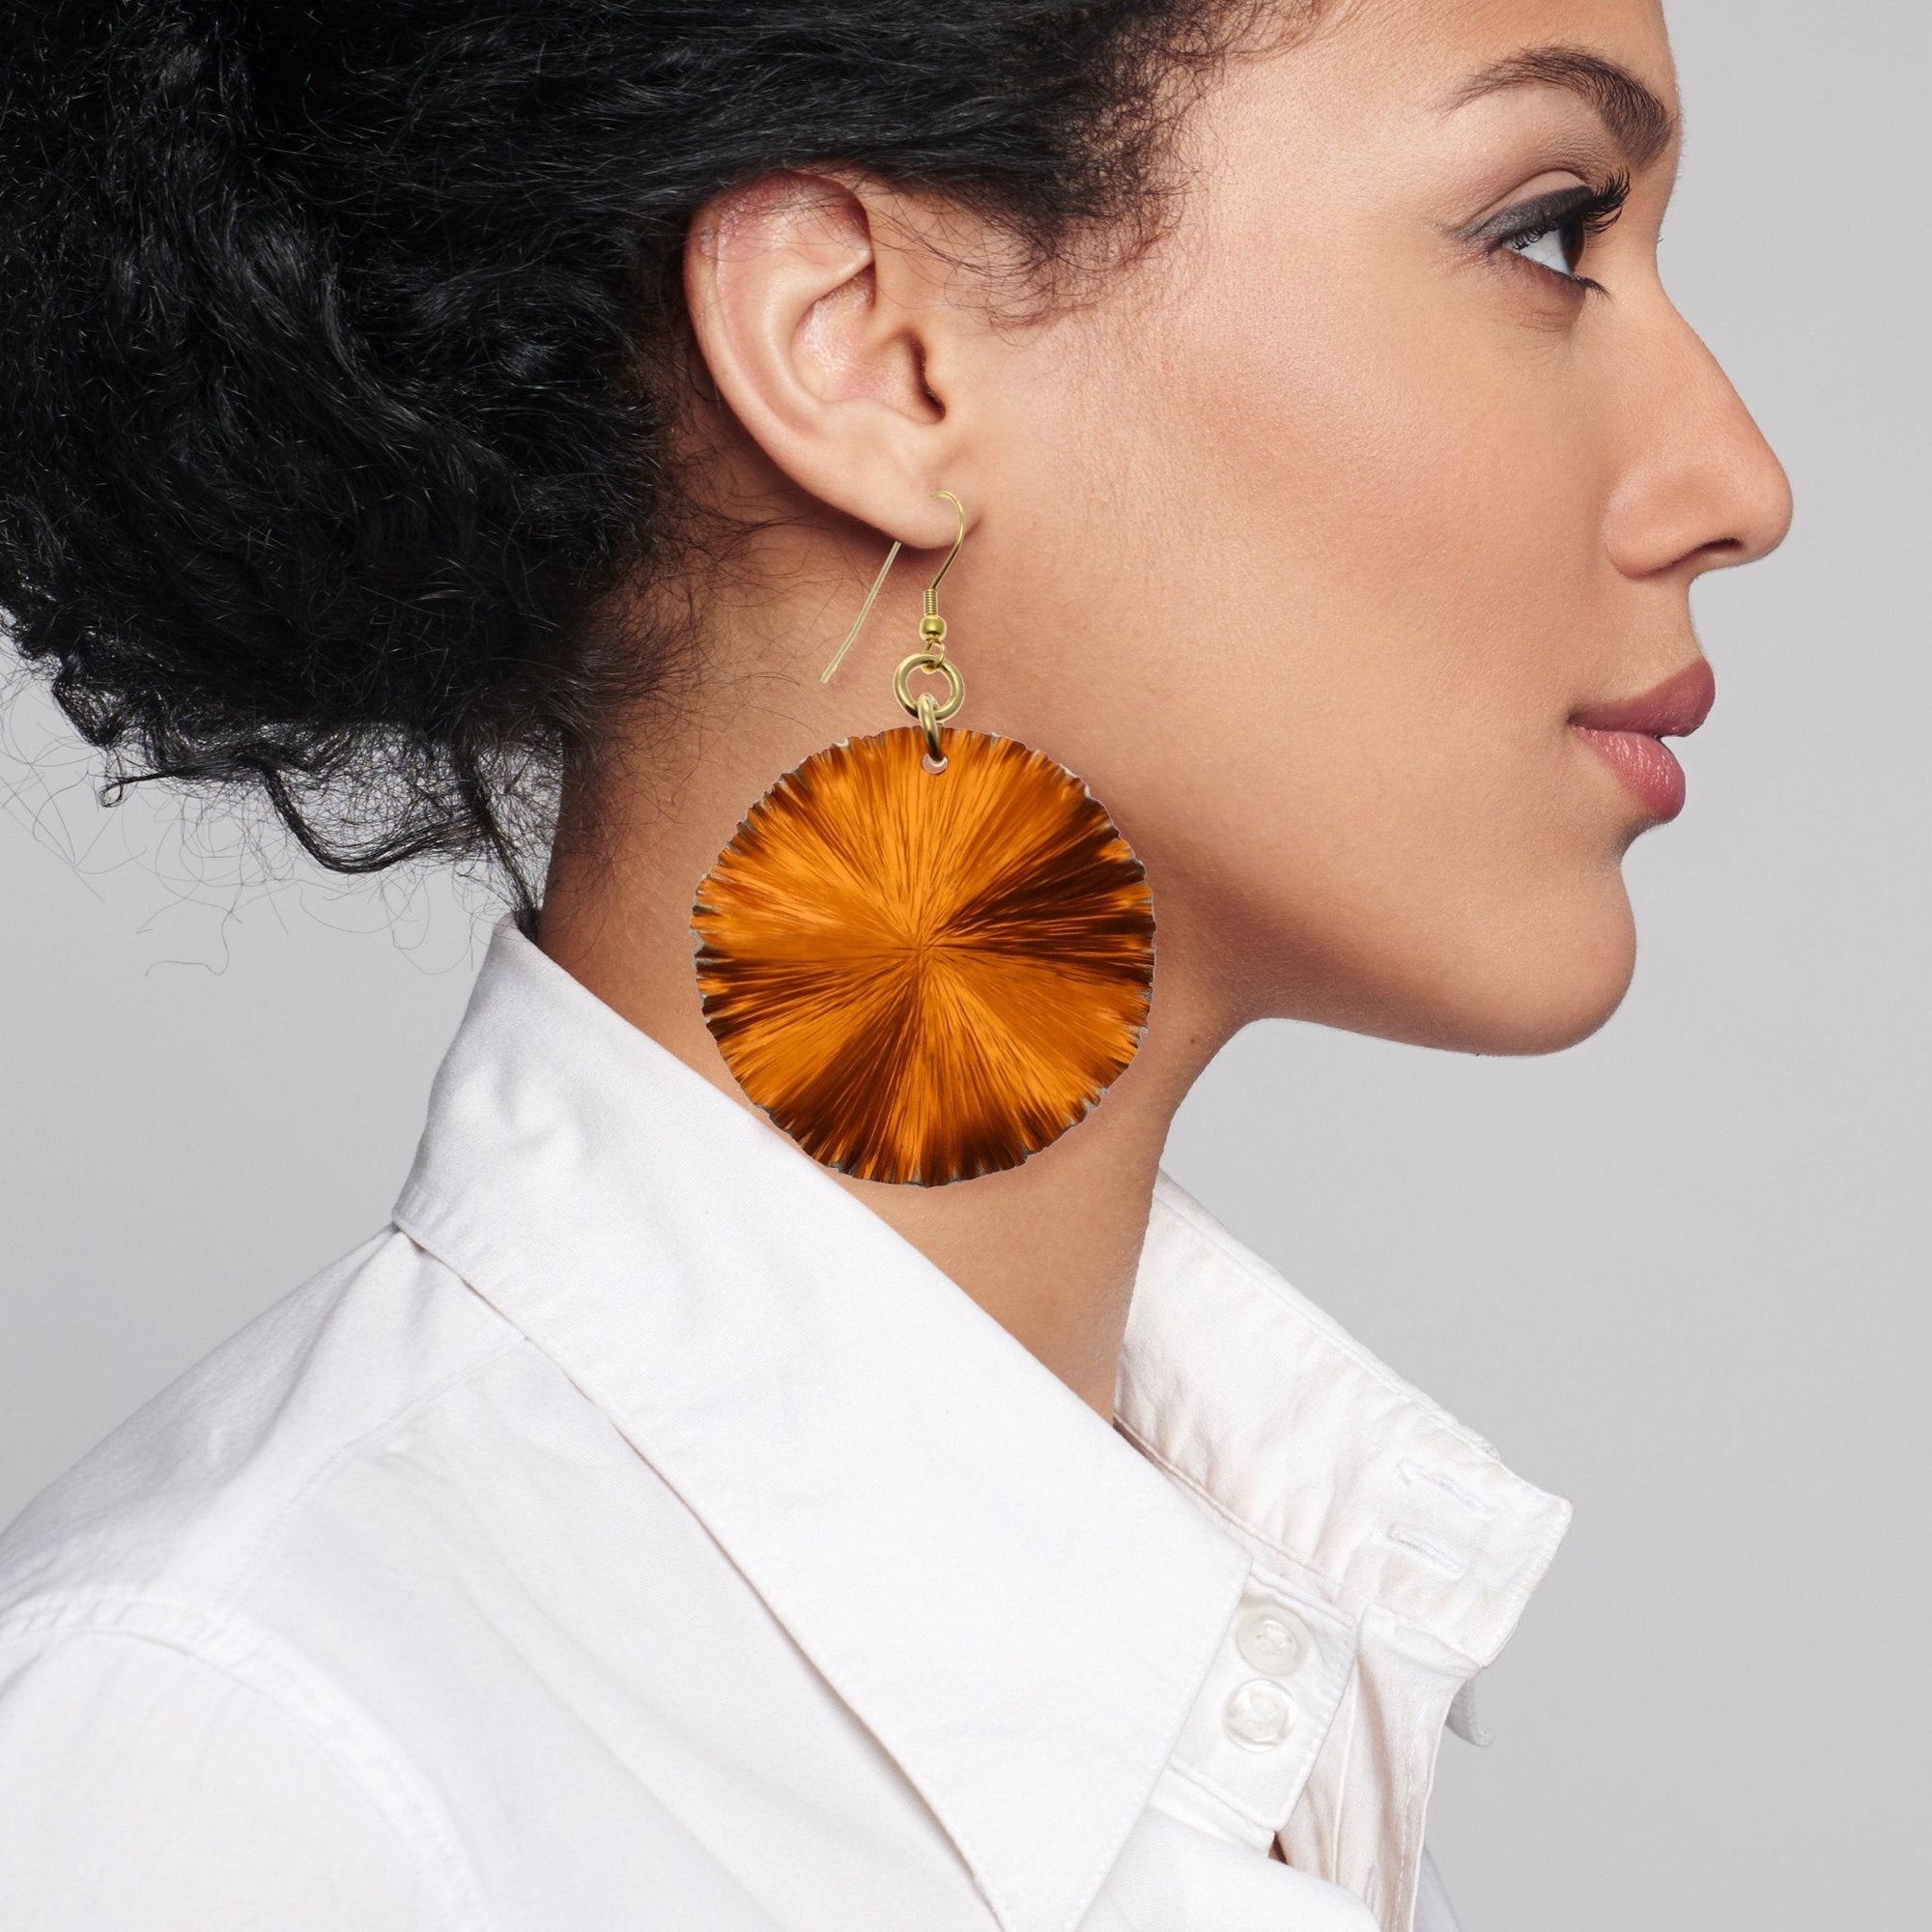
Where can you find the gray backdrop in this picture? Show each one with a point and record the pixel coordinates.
(1678, 1274)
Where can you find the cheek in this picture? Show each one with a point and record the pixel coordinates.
(1440, 505)
(1351, 546)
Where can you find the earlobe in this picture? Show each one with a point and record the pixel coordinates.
(813, 316)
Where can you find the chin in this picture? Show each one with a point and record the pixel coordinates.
(1524, 981)
(1545, 991)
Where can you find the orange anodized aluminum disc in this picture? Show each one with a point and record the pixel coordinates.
(924, 976)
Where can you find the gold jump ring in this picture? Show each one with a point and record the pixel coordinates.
(928, 722)
(931, 661)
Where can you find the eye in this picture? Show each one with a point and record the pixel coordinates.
(1559, 246)
(1554, 230)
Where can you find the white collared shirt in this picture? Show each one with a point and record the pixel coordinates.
(641, 1534)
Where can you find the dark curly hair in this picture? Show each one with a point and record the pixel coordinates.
(334, 342)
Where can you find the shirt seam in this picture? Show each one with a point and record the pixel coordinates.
(264, 1665)
(272, 1526)
(1352, 1709)
(1201, 1778)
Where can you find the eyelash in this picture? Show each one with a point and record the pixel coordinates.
(1590, 209)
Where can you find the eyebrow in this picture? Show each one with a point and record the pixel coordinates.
(1640, 123)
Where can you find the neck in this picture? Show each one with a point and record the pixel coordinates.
(1050, 1248)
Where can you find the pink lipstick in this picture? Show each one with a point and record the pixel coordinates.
(1629, 734)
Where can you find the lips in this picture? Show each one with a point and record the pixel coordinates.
(1627, 734)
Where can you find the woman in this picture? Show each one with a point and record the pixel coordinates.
(795, 1460)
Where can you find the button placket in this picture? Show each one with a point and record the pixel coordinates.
(1266, 1704)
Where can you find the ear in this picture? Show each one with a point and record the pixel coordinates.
(822, 311)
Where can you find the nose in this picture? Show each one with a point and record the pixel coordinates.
(1700, 488)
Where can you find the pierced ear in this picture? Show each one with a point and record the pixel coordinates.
(817, 304)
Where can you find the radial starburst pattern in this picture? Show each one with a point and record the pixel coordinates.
(926, 976)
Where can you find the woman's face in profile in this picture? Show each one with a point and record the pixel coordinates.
(1323, 532)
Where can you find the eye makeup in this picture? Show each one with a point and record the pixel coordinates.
(1572, 215)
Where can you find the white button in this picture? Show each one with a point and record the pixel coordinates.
(1273, 1639)
(1258, 1714)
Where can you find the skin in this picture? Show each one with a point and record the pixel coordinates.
(1302, 539)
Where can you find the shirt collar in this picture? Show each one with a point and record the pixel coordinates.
(1018, 1606)
(1320, 1457)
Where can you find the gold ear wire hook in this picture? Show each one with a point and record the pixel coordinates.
(959, 509)
(931, 618)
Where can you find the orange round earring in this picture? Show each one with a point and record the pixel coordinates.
(926, 954)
